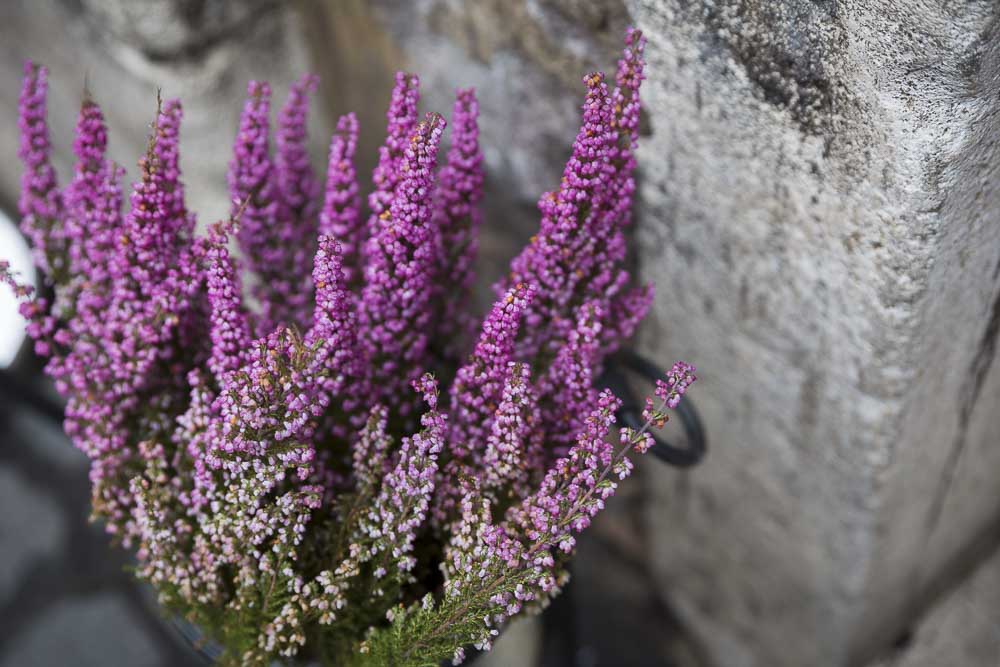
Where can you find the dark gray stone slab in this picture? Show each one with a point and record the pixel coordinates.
(32, 528)
(97, 631)
(46, 439)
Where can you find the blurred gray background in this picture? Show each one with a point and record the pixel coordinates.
(818, 208)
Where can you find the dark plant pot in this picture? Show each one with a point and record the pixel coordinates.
(204, 646)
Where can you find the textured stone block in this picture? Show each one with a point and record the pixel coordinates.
(819, 213)
(962, 629)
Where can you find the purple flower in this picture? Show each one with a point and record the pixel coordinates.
(399, 273)
(678, 380)
(342, 372)
(277, 475)
(457, 216)
(402, 117)
(476, 394)
(400, 509)
(514, 444)
(298, 189)
(294, 175)
(83, 196)
(340, 216)
(40, 205)
(254, 191)
(230, 325)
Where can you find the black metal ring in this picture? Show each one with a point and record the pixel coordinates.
(630, 413)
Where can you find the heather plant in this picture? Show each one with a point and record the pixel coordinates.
(279, 454)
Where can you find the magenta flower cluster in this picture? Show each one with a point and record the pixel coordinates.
(279, 452)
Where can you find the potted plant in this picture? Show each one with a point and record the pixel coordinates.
(343, 466)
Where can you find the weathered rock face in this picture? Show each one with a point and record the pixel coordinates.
(817, 209)
(821, 223)
(961, 629)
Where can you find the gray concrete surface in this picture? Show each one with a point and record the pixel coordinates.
(95, 630)
(31, 529)
(964, 629)
(822, 181)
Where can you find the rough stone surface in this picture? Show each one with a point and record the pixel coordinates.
(832, 270)
(170, 31)
(964, 629)
(31, 529)
(91, 632)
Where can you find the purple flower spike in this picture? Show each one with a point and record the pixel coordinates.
(511, 448)
(569, 382)
(252, 188)
(670, 393)
(558, 258)
(299, 189)
(678, 380)
(626, 109)
(40, 205)
(91, 225)
(157, 228)
(460, 190)
(399, 275)
(296, 180)
(404, 501)
(97, 223)
(477, 392)
(83, 195)
(340, 216)
(402, 117)
(177, 224)
(371, 450)
(627, 81)
(334, 336)
(479, 383)
(230, 326)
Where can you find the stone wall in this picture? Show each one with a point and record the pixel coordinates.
(817, 208)
(822, 224)
(963, 629)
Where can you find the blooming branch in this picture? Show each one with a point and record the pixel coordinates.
(267, 457)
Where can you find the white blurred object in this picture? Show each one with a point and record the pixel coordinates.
(14, 249)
